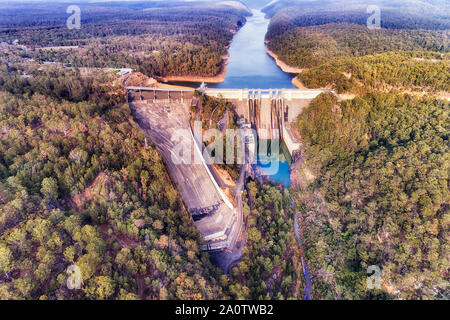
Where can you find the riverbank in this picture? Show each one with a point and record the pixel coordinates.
(296, 82)
(138, 79)
(283, 65)
(220, 77)
(215, 79)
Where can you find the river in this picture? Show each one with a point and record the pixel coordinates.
(249, 66)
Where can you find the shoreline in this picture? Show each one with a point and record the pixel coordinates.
(296, 82)
(283, 65)
(214, 79)
(220, 77)
(162, 85)
(141, 80)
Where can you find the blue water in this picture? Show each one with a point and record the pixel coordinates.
(282, 175)
(249, 66)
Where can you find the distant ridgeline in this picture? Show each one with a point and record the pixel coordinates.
(79, 185)
(395, 14)
(156, 38)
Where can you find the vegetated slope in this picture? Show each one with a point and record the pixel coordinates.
(78, 185)
(337, 50)
(306, 47)
(395, 14)
(218, 114)
(414, 71)
(382, 166)
(270, 267)
(181, 40)
(380, 196)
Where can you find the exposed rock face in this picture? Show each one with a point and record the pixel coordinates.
(216, 218)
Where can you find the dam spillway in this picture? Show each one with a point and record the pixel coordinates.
(271, 112)
(160, 112)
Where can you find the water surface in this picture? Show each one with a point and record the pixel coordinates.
(281, 176)
(249, 66)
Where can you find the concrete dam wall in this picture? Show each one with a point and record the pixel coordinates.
(218, 224)
(160, 112)
(270, 111)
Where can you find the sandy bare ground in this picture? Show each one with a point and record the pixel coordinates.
(138, 79)
(216, 79)
(347, 96)
(296, 82)
(283, 65)
(225, 176)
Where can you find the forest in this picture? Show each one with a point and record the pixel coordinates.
(381, 163)
(307, 47)
(395, 14)
(79, 185)
(269, 268)
(336, 50)
(157, 41)
(415, 71)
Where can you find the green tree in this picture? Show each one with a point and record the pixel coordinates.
(49, 189)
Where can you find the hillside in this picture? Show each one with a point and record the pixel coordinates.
(373, 181)
(306, 47)
(396, 14)
(380, 197)
(80, 186)
(412, 71)
(157, 41)
(337, 50)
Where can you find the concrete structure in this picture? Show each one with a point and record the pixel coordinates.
(197, 186)
(243, 94)
(269, 111)
(159, 95)
(160, 112)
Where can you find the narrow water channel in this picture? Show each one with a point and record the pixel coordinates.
(249, 66)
